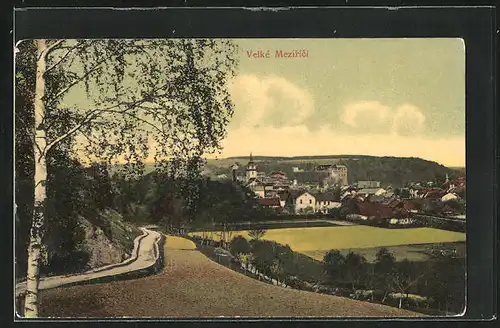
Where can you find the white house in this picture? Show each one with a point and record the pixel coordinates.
(304, 200)
(325, 202)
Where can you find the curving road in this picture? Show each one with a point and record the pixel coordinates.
(143, 256)
(191, 285)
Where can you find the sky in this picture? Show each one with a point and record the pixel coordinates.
(382, 97)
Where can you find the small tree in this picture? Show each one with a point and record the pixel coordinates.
(277, 270)
(384, 267)
(239, 245)
(404, 279)
(257, 233)
(263, 252)
(333, 262)
(334, 212)
(355, 270)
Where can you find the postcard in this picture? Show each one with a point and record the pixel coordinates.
(248, 178)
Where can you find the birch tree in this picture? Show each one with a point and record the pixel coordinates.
(163, 100)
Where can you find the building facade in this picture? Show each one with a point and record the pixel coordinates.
(335, 171)
(303, 202)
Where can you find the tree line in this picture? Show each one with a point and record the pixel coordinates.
(438, 284)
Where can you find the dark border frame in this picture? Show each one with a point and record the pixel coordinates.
(475, 25)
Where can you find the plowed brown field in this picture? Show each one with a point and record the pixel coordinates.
(191, 285)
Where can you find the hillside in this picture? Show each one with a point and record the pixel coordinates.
(394, 171)
(191, 285)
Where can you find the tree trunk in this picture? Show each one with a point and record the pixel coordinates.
(36, 232)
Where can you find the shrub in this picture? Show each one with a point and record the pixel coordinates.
(333, 263)
(239, 245)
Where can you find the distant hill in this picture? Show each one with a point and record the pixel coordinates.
(394, 171)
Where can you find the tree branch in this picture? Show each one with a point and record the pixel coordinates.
(81, 78)
(78, 80)
(94, 113)
(50, 48)
(62, 59)
(54, 45)
(86, 119)
(89, 117)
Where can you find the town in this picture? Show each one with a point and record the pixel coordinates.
(326, 190)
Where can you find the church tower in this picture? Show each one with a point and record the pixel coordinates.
(251, 171)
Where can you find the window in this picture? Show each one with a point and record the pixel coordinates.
(310, 201)
(301, 201)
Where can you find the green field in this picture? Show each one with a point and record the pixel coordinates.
(316, 241)
(411, 252)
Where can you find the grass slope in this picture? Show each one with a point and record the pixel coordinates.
(191, 285)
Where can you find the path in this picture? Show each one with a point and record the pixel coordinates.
(143, 256)
(191, 285)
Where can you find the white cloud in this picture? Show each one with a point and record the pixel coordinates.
(260, 100)
(368, 113)
(298, 140)
(408, 120)
(375, 117)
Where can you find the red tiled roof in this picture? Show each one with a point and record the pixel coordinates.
(375, 209)
(409, 206)
(269, 201)
(394, 203)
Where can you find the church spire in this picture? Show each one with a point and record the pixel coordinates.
(251, 157)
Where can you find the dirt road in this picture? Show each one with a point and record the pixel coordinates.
(191, 285)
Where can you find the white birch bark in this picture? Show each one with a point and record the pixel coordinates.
(35, 244)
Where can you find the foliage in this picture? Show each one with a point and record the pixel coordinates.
(394, 171)
(440, 282)
(269, 256)
(333, 263)
(194, 202)
(239, 245)
(445, 284)
(66, 202)
(355, 270)
(305, 211)
(68, 181)
(165, 99)
(456, 205)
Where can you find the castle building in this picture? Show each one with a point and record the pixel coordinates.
(335, 171)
